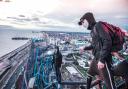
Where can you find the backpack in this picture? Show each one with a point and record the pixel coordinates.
(117, 36)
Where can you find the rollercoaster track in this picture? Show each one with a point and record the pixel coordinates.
(11, 75)
(4, 72)
(11, 54)
(42, 68)
(17, 59)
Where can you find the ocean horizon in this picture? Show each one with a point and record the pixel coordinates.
(6, 43)
(6, 33)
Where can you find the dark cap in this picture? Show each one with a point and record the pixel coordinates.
(88, 16)
(80, 22)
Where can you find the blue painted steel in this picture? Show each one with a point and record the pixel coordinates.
(42, 69)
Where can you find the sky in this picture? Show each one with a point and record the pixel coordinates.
(61, 14)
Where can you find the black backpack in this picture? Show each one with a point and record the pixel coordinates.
(117, 36)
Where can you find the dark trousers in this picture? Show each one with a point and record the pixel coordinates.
(105, 73)
(58, 74)
(121, 70)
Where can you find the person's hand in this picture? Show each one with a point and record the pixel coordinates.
(81, 50)
(100, 65)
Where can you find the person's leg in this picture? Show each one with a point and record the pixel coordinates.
(108, 77)
(89, 80)
(97, 82)
(56, 70)
(91, 72)
(126, 81)
(121, 70)
(88, 85)
(59, 75)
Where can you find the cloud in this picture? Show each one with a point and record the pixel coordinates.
(38, 22)
(121, 16)
(65, 14)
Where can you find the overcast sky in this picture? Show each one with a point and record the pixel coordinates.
(66, 12)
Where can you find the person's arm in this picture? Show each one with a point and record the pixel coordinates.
(106, 42)
(90, 47)
(53, 61)
(82, 49)
(61, 57)
(119, 56)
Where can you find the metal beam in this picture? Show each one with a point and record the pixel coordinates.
(73, 83)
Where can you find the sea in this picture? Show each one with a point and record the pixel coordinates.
(6, 43)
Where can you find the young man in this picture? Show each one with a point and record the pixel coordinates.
(57, 60)
(101, 49)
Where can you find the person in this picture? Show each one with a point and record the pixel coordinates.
(125, 47)
(57, 60)
(101, 49)
(118, 55)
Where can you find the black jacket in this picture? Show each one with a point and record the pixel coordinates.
(57, 58)
(101, 42)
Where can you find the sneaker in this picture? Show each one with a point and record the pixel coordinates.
(124, 53)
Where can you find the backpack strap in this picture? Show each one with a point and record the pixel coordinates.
(110, 28)
(99, 38)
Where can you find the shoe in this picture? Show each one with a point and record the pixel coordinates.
(125, 53)
(82, 87)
